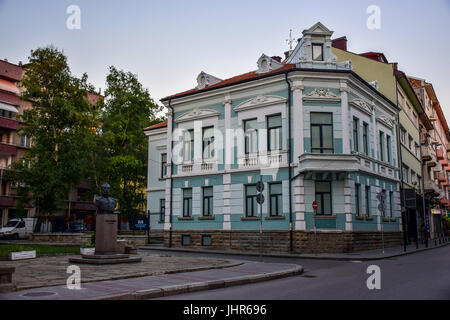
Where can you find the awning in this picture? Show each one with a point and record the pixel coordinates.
(8, 107)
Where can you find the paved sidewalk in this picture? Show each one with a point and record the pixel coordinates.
(361, 256)
(161, 285)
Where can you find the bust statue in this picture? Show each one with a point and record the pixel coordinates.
(105, 204)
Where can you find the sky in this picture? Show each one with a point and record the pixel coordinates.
(168, 43)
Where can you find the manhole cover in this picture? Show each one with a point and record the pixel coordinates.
(39, 294)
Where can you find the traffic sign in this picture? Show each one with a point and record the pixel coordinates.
(260, 186)
(260, 198)
(315, 205)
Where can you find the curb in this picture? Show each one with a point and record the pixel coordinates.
(201, 286)
(140, 275)
(293, 255)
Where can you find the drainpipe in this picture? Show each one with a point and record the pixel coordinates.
(291, 238)
(171, 179)
(399, 152)
(425, 223)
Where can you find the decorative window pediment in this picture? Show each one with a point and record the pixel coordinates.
(260, 101)
(389, 122)
(363, 106)
(266, 64)
(321, 94)
(197, 114)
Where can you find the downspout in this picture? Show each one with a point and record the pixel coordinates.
(291, 238)
(400, 159)
(425, 222)
(171, 174)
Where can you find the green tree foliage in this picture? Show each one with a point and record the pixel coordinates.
(128, 109)
(62, 126)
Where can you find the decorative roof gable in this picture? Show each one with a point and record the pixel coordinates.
(197, 114)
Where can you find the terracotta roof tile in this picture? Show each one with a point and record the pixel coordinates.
(157, 126)
(236, 79)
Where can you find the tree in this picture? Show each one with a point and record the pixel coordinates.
(128, 109)
(61, 125)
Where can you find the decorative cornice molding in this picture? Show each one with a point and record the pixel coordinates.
(363, 106)
(321, 94)
(260, 101)
(197, 114)
(297, 87)
(386, 121)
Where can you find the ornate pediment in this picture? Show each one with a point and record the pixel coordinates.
(197, 114)
(260, 101)
(389, 122)
(363, 106)
(320, 94)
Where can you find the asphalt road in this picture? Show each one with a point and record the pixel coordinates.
(424, 275)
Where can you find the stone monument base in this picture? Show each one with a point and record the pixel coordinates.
(100, 259)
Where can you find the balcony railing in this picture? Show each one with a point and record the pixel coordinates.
(7, 149)
(7, 123)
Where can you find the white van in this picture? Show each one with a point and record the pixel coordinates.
(17, 228)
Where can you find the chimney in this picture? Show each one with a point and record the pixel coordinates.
(340, 43)
(287, 54)
(276, 58)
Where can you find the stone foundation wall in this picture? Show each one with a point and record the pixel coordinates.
(84, 239)
(278, 241)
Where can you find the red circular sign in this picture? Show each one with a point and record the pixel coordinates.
(315, 205)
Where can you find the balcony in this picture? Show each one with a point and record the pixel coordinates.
(431, 188)
(328, 162)
(7, 123)
(448, 147)
(427, 153)
(6, 201)
(7, 149)
(441, 177)
(445, 202)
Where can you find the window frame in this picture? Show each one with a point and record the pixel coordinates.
(163, 172)
(210, 146)
(191, 145)
(246, 137)
(278, 199)
(210, 200)
(269, 129)
(162, 209)
(357, 199)
(366, 138)
(368, 200)
(321, 194)
(313, 45)
(320, 125)
(356, 134)
(189, 204)
(389, 148)
(381, 144)
(253, 197)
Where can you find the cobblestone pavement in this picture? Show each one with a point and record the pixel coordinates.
(52, 270)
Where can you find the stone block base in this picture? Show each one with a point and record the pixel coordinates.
(279, 241)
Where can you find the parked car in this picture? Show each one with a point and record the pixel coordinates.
(77, 228)
(17, 228)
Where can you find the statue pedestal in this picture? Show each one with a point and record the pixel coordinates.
(106, 234)
(106, 248)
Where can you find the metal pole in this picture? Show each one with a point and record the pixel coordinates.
(315, 233)
(260, 224)
(148, 227)
(382, 235)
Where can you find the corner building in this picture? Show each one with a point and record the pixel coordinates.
(309, 127)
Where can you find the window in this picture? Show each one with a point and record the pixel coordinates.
(416, 149)
(368, 201)
(321, 132)
(208, 143)
(381, 141)
(276, 203)
(162, 209)
(413, 176)
(388, 145)
(357, 201)
(405, 174)
(391, 203)
(251, 136)
(185, 240)
(163, 165)
(206, 240)
(355, 134)
(366, 138)
(187, 202)
(323, 197)
(274, 133)
(208, 201)
(251, 206)
(188, 146)
(410, 142)
(403, 135)
(25, 141)
(383, 214)
(317, 52)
